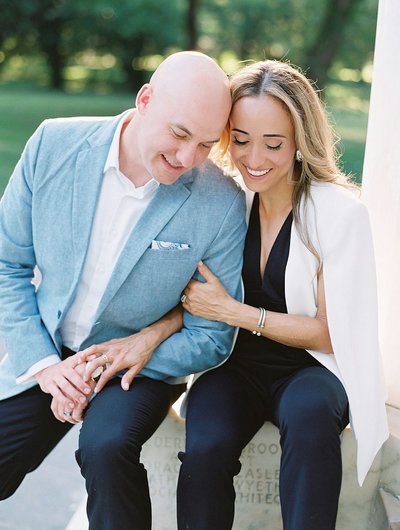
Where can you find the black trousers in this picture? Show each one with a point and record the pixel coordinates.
(224, 412)
(116, 425)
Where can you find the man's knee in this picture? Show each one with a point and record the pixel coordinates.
(107, 450)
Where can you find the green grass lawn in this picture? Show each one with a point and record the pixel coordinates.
(23, 107)
(348, 104)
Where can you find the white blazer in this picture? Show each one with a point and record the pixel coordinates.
(339, 228)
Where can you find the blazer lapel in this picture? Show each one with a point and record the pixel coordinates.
(87, 183)
(89, 172)
(164, 205)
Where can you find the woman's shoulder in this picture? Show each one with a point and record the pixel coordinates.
(335, 191)
(330, 197)
(336, 211)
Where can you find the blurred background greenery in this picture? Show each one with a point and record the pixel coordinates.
(89, 57)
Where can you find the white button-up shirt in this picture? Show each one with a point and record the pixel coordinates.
(119, 208)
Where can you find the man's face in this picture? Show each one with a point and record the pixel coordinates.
(177, 132)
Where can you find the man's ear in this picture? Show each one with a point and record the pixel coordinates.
(143, 97)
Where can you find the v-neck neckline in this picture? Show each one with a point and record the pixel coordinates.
(256, 226)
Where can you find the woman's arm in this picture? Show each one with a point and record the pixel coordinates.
(132, 352)
(210, 300)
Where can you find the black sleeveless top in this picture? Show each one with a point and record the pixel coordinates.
(267, 358)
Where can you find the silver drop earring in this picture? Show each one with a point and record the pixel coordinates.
(299, 156)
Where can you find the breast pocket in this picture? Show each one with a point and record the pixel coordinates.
(169, 254)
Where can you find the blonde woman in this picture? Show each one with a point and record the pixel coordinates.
(307, 352)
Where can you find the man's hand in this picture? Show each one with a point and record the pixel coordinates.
(75, 414)
(131, 353)
(64, 382)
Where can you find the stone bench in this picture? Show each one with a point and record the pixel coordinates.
(257, 485)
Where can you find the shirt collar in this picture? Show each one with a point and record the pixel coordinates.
(113, 153)
(112, 162)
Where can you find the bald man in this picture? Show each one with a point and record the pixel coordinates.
(114, 214)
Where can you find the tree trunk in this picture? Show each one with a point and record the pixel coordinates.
(56, 62)
(321, 55)
(135, 79)
(49, 39)
(191, 24)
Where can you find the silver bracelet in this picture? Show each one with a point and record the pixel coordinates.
(261, 322)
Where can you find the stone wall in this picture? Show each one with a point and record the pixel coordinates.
(257, 485)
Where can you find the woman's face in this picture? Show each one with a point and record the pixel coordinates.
(262, 143)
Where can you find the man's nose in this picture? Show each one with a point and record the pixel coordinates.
(188, 155)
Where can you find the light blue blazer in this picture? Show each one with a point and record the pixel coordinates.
(46, 216)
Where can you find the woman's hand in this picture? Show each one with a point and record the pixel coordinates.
(131, 353)
(209, 299)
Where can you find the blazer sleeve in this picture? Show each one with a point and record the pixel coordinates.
(26, 338)
(352, 312)
(202, 344)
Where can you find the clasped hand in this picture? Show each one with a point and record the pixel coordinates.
(70, 381)
(71, 393)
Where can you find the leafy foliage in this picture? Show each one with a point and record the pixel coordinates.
(316, 34)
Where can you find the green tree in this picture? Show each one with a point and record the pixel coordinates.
(41, 26)
(191, 24)
(312, 34)
(357, 46)
(328, 38)
(132, 30)
(315, 34)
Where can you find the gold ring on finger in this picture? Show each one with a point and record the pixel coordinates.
(105, 357)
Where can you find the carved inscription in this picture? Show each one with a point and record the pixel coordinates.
(257, 484)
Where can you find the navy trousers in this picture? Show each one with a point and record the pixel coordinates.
(310, 408)
(116, 425)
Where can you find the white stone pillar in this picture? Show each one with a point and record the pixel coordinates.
(381, 186)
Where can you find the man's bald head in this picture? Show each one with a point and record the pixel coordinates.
(186, 68)
(195, 80)
(181, 114)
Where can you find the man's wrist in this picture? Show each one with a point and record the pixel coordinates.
(37, 368)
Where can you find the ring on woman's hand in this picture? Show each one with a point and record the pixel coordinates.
(183, 298)
(105, 357)
(67, 413)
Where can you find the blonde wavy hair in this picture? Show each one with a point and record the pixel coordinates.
(314, 135)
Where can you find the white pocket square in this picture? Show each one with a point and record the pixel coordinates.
(168, 245)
